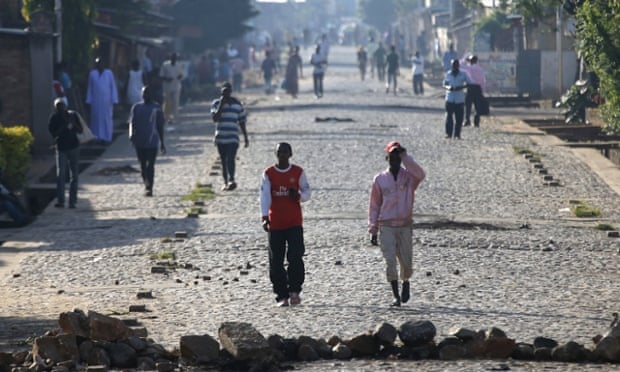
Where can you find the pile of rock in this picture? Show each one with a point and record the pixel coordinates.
(102, 342)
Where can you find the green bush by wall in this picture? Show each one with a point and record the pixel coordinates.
(15, 155)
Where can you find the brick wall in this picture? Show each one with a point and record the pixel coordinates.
(15, 80)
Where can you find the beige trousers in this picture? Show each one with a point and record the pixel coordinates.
(397, 247)
(171, 104)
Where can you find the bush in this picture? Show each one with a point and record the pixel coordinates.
(15, 155)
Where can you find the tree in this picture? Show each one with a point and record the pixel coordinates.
(217, 20)
(598, 31)
(78, 37)
(378, 13)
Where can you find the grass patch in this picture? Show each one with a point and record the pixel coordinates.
(200, 192)
(520, 150)
(604, 227)
(580, 208)
(163, 256)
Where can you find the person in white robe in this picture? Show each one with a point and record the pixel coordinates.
(101, 96)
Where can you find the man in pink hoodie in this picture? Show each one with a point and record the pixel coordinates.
(390, 216)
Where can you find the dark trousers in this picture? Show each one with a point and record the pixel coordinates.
(454, 119)
(318, 84)
(146, 157)
(392, 79)
(228, 152)
(381, 72)
(473, 97)
(67, 162)
(291, 279)
(418, 84)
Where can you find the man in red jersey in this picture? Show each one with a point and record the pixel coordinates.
(284, 186)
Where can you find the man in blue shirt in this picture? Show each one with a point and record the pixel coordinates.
(454, 83)
(146, 133)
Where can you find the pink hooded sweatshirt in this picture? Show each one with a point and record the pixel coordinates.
(391, 201)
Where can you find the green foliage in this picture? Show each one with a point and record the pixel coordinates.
(15, 155)
(78, 36)
(575, 101)
(598, 30)
(581, 208)
(604, 227)
(378, 13)
(200, 193)
(218, 20)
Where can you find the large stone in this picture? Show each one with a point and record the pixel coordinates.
(494, 332)
(243, 341)
(56, 348)
(464, 334)
(608, 349)
(414, 333)
(199, 348)
(523, 351)
(451, 352)
(424, 351)
(475, 348)
(342, 351)
(107, 328)
(307, 353)
(545, 342)
(74, 322)
(569, 352)
(122, 355)
(500, 347)
(385, 333)
(363, 345)
(6, 359)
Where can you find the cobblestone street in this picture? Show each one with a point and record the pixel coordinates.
(493, 246)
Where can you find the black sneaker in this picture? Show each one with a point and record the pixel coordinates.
(405, 294)
(59, 205)
(232, 186)
(396, 303)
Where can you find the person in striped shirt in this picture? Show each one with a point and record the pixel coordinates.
(229, 117)
(283, 188)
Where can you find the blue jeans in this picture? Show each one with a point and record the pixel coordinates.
(67, 162)
(317, 80)
(228, 152)
(11, 205)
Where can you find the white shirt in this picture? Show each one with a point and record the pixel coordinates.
(417, 65)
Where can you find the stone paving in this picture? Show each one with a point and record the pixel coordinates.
(475, 265)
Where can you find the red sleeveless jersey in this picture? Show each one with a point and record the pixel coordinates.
(284, 212)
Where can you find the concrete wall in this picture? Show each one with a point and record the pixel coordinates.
(550, 72)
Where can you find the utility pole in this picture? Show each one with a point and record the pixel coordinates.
(58, 13)
(558, 46)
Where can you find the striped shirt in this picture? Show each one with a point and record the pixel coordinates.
(227, 128)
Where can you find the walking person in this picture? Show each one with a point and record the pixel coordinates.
(454, 83)
(64, 126)
(390, 215)
(475, 90)
(379, 57)
(283, 188)
(146, 133)
(417, 71)
(171, 74)
(135, 83)
(294, 69)
(229, 117)
(318, 62)
(362, 59)
(393, 70)
(269, 69)
(101, 96)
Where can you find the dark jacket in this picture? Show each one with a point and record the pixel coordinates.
(64, 127)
